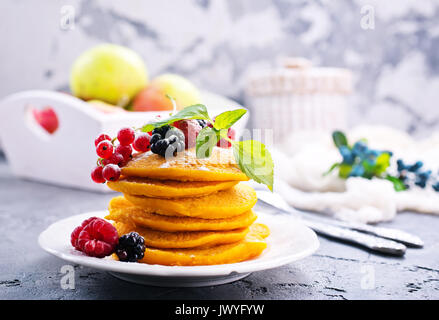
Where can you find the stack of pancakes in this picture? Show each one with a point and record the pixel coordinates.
(190, 211)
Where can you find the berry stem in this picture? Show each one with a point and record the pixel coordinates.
(174, 104)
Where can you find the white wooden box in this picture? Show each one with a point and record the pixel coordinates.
(67, 156)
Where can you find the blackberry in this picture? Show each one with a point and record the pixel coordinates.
(131, 247)
(169, 143)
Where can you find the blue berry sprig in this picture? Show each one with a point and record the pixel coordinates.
(361, 161)
(413, 174)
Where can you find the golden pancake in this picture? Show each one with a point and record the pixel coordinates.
(188, 239)
(220, 166)
(251, 246)
(121, 210)
(167, 188)
(219, 205)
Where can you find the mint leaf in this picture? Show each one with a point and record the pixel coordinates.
(339, 139)
(255, 161)
(398, 185)
(206, 140)
(197, 111)
(228, 118)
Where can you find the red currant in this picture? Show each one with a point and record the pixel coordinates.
(125, 151)
(102, 137)
(126, 136)
(104, 149)
(96, 175)
(141, 143)
(116, 158)
(111, 172)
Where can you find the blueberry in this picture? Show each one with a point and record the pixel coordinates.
(175, 132)
(400, 164)
(357, 171)
(348, 157)
(372, 153)
(359, 148)
(424, 175)
(436, 187)
(168, 141)
(415, 167)
(172, 139)
(180, 146)
(202, 123)
(420, 183)
(161, 130)
(154, 138)
(160, 147)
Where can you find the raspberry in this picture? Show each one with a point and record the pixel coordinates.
(75, 234)
(223, 143)
(131, 247)
(126, 136)
(102, 137)
(125, 151)
(111, 172)
(74, 237)
(96, 175)
(190, 129)
(95, 237)
(116, 158)
(142, 142)
(104, 149)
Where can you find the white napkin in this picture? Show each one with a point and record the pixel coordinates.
(299, 177)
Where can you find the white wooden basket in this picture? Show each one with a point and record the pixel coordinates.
(67, 156)
(297, 97)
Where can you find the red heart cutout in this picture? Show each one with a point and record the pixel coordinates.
(47, 118)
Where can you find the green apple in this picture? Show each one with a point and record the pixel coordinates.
(110, 73)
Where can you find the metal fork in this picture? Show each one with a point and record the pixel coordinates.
(384, 240)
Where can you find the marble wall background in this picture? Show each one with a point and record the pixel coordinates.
(214, 43)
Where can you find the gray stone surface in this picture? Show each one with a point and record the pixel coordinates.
(336, 271)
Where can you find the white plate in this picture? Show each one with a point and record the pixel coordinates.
(289, 241)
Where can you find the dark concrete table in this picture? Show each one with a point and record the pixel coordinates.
(336, 271)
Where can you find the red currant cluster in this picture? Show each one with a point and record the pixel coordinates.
(112, 157)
